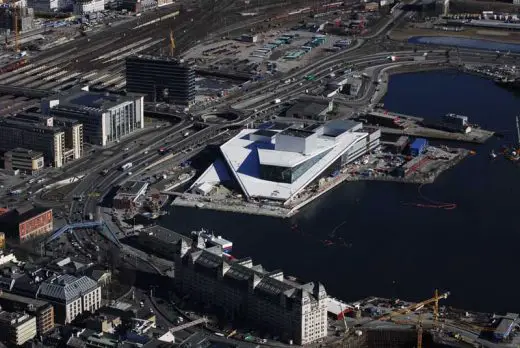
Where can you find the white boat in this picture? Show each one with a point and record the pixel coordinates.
(493, 154)
(211, 239)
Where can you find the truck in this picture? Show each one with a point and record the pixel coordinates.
(126, 166)
(186, 134)
(277, 101)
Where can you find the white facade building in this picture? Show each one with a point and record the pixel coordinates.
(82, 7)
(295, 312)
(280, 164)
(71, 296)
(106, 118)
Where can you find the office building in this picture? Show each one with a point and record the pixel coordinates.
(26, 223)
(25, 160)
(43, 311)
(16, 328)
(161, 78)
(50, 141)
(73, 131)
(70, 296)
(247, 292)
(280, 164)
(106, 118)
(82, 7)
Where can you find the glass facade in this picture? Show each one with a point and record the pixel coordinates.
(289, 175)
(161, 79)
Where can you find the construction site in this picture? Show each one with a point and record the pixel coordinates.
(392, 323)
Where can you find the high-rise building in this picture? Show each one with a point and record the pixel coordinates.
(161, 78)
(16, 328)
(25, 160)
(296, 312)
(46, 139)
(106, 118)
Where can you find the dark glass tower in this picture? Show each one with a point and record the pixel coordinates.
(161, 79)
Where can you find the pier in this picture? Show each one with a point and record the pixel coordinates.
(406, 125)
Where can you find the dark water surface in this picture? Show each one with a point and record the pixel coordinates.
(385, 247)
(465, 43)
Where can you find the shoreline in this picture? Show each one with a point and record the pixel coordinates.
(287, 211)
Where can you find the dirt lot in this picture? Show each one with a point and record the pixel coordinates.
(403, 34)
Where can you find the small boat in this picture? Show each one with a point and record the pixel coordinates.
(493, 154)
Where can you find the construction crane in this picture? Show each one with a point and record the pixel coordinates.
(14, 13)
(419, 332)
(435, 300)
(172, 43)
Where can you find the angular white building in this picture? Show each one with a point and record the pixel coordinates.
(280, 164)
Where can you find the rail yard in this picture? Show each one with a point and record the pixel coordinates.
(283, 107)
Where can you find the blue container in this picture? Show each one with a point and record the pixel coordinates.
(418, 147)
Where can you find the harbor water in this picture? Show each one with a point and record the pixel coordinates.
(371, 238)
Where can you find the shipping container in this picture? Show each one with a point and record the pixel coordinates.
(418, 147)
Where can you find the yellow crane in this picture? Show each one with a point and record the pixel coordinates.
(435, 300)
(172, 43)
(419, 332)
(14, 12)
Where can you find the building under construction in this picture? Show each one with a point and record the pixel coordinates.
(24, 20)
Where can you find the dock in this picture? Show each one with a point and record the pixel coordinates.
(477, 136)
(406, 125)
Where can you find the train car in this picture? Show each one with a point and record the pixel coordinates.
(14, 65)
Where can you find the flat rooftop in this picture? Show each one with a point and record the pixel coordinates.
(166, 235)
(160, 58)
(265, 133)
(132, 188)
(97, 100)
(19, 124)
(299, 133)
(22, 299)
